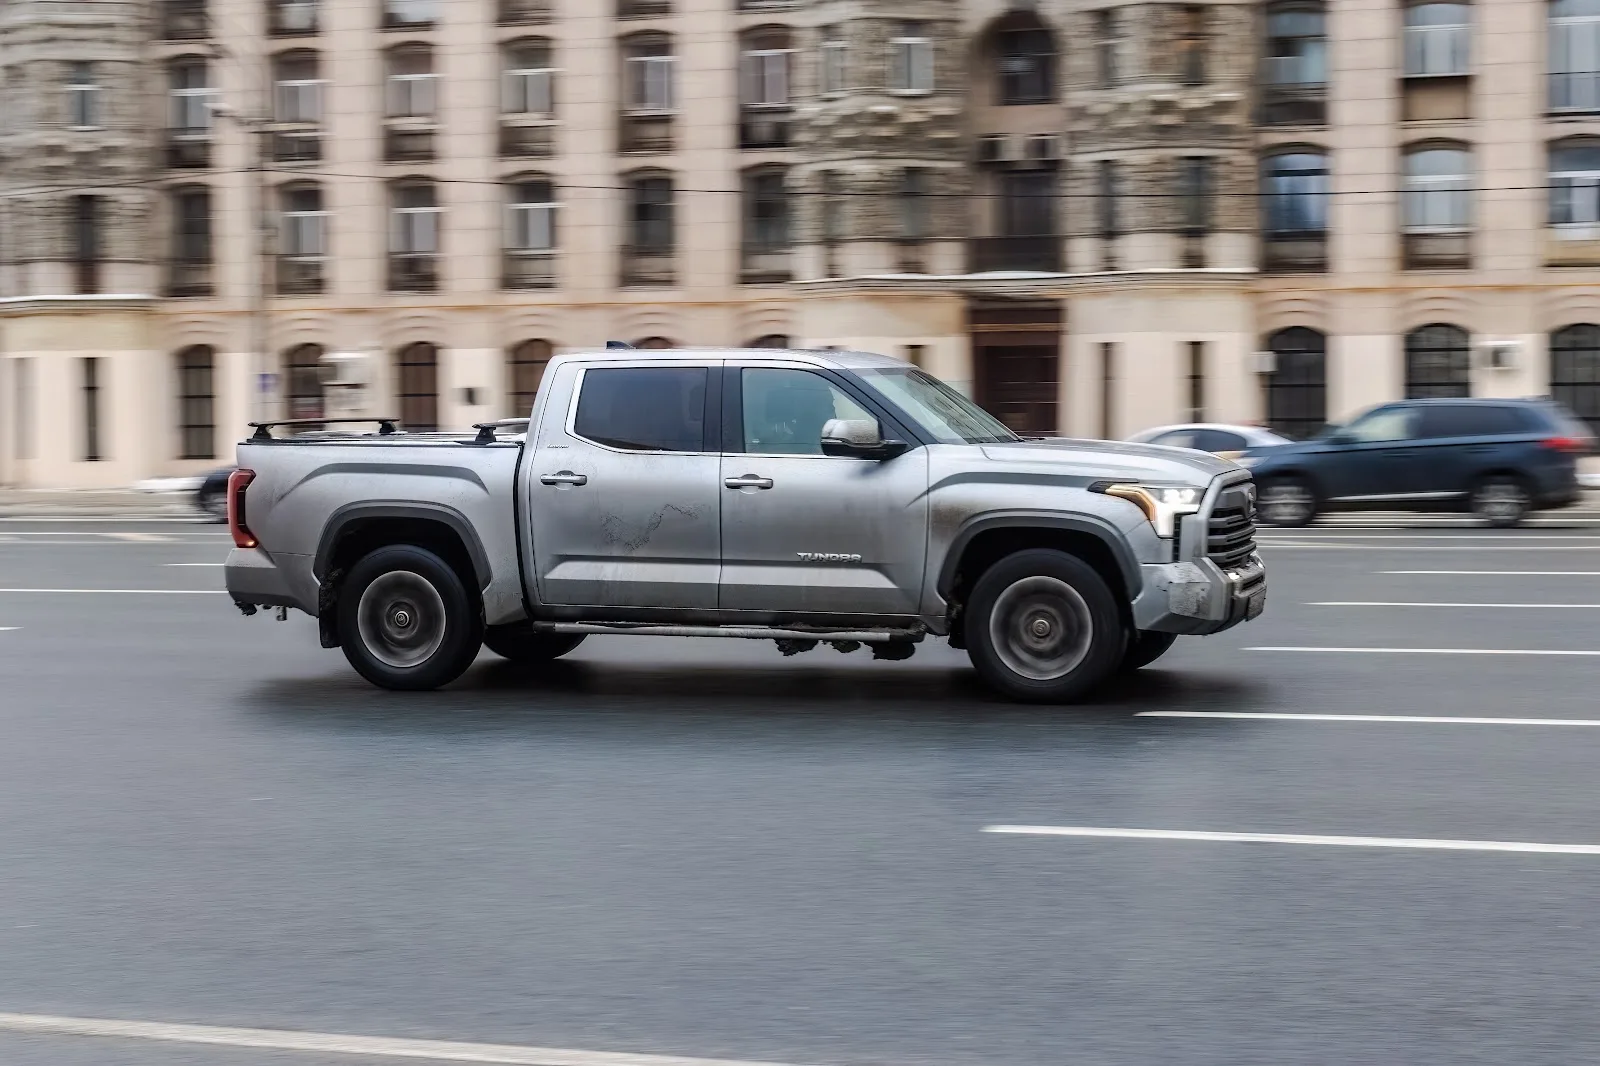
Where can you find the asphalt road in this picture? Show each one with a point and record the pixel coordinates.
(701, 848)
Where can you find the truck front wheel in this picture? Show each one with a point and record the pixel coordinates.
(1042, 626)
(407, 621)
(521, 644)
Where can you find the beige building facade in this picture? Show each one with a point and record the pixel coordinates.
(1093, 216)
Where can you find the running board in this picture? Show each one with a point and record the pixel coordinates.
(862, 636)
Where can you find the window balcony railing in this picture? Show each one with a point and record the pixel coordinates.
(189, 150)
(523, 12)
(408, 145)
(765, 266)
(1294, 253)
(1294, 105)
(1042, 253)
(409, 14)
(527, 141)
(639, 9)
(764, 129)
(184, 20)
(1574, 91)
(189, 277)
(529, 269)
(297, 146)
(646, 133)
(292, 18)
(1436, 251)
(648, 266)
(301, 275)
(413, 272)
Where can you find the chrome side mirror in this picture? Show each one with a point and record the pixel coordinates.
(858, 438)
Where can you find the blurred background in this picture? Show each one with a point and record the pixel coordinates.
(1094, 218)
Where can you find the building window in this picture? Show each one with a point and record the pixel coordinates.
(414, 238)
(184, 20)
(24, 401)
(914, 204)
(1108, 184)
(1297, 49)
(834, 204)
(764, 69)
(418, 366)
(1575, 55)
(1295, 194)
(650, 214)
(779, 341)
(528, 86)
(1107, 47)
(412, 84)
(410, 12)
(834, 77)
(83, 97)
(290, 17)
(191, 242)
(1438, 363)
(86, 243)
(530, 234)
(197, 419)
(1027, 203)
(1108, 389)
(303, 371)
(1196, 190)
(1436, 40)
(766, 214)
(527, 363)
(1575, 371)
(911, 59)
(649, 64)
(189, 81)
(1192, 46)
(1436, 190)
(304, 250)
(655, 344)
(1575, 184)
(91, 410)
(1026, 54)
(297, 95)
(1297, 386)
(1197, 381)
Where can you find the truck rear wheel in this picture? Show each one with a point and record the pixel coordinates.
(406, 620)
(1042, 626)
(521, 644)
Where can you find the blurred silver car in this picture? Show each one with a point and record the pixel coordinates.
(1214, 437)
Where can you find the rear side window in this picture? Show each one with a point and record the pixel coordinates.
(1218, 440)
(1178, 438)
(645, 409)
(1472, 420)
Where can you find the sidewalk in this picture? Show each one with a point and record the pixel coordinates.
(125, 503)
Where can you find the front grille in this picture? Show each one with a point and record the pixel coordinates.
(1231, 531)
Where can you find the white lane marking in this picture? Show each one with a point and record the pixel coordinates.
(1359, 603)
(1401, 719)
(193, 564)
(1428, 651)
(1424, 843)
(341, 1044)
(9, 629)
(122, 592)
(1498, 573)
(131, 536)
(133, 519)
(1280, 538)
(1329, 546)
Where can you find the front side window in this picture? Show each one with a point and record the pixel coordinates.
(298, 95)
(83, 96)
(416, 220)
(645, 409)
(1383, 425)
(785, 410)
(1295, 193)
(1575, 184)
(1575, 55)
(531, 225)
(1297, 49)
(1027, 58)
(649, 69)
(911, 59)
(529, 80)
(945, 414)
(1436, 40)
(190, 81)
(1437, 199)
(650, 219)
(412, 83)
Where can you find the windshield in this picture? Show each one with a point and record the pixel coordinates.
(949, 416)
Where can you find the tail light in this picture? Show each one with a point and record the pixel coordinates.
(1570, 445)
(238, 482)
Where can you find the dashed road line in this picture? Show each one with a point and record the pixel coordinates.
(1377, 603)
(1425, 651)
(1386, 719)
(1420, 843)
(118, 592)
(1496, 573)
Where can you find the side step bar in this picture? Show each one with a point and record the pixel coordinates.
(862, 636)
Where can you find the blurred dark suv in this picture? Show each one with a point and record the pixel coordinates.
(1498, 459)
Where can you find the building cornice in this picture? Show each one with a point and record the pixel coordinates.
(1027, 283)
(16, 306)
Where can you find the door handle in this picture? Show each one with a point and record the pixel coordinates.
(748, 481)
(564, 477)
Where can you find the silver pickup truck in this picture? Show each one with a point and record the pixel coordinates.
(803, 497)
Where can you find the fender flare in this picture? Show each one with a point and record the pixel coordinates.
(430, 512)
(1100, 529)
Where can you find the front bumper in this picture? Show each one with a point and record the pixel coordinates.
(1197, 598)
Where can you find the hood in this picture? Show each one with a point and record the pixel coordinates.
(1115, 460)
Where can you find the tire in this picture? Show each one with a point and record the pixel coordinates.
(1287, 502)
(1043, 627)
(215, 504)
(407, 621)
(1145, 648)
(522, 645)
(1501, 500)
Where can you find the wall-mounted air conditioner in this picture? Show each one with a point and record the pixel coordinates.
(1501, 355)
(1264, 362)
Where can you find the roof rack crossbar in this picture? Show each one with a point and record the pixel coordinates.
(263, 430)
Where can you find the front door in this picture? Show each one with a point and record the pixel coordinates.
(1373, 457)
(808, 534)
(624, 495)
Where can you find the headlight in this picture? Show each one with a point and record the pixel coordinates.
(1161, 504)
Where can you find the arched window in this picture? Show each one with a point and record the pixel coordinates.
(655, 342)
(647, 258)
(766, 229)
(1437, 207)
(1438, 362)
(771, 340)
(303, 248)
(197, 402)
(414, 236)
(1297, 388)
(1575, 180)
(528, 78)
(648, 65)
(1294, 210)
(297, 87)
(412, 83)
(527, 362)
(191, 241)
(764, 56)
(1575, 371)
(303, 377)
(530, 232)
(418, 366)
(1575, 55)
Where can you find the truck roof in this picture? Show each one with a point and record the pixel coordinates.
(826, 357)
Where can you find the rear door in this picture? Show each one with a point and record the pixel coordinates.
(805, 533)
(624, 494)
(1459, 442)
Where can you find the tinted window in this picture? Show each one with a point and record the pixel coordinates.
(1178, 438)
(785, 410)
(1471, 420)
(1218, 440)
(1384, 424)
(652, 409)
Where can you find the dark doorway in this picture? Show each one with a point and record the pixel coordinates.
(1016, 355)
